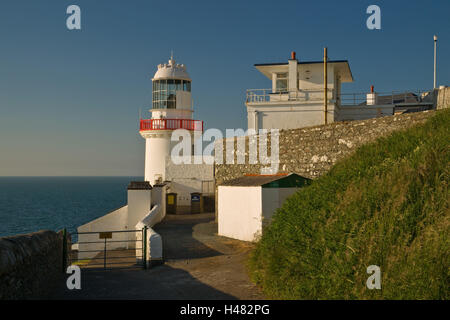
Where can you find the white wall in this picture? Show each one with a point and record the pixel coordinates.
(156, 215)
(115, 220)
(290, 116)
(313, 80)
(187, 178)
(239, 212)
(183, 188)
(184, 113)
(156, 150)
(139, 205)
(159, 196)
(184, 100)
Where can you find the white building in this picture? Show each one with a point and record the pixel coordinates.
(246, 204)
(172, 109)
(296, 97)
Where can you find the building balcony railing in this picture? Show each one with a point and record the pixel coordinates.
(413, 97)
(170, 124)
(268, 96)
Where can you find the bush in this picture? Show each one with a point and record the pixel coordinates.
(386, 205)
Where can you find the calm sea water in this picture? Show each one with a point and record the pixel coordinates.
(29, 204)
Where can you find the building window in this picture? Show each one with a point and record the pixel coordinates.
(282, 82)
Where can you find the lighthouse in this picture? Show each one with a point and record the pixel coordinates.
(172, 109)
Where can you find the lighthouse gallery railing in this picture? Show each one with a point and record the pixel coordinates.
(170, 124)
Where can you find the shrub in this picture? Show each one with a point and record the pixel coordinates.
(386, 205)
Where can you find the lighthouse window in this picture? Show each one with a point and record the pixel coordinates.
(187, 86)
(165, 92)
(171, 85)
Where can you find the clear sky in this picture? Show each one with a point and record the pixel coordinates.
(70, 100)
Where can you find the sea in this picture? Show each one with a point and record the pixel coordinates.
(29, 204)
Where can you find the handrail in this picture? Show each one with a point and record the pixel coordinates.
(360, 98)
(170, 124)
(268, 95)
(392, 97)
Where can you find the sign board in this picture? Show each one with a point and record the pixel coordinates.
(195, 198)
(170, 199)
(105, 235)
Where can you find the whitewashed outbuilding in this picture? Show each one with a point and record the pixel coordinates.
(246, 204)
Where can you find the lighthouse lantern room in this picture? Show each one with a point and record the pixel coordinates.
(171, 110)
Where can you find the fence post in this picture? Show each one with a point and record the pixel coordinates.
(64, 251)
(104, 256)
(144, 253)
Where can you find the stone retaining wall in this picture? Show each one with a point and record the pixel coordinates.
(310, 152)
(30, 264)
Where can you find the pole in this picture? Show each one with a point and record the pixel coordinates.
(104, 256)
(64, 248)
(435, 44)
(325, 84)
(144, 246)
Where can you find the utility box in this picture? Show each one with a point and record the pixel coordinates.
(196, 202)
(171, 203)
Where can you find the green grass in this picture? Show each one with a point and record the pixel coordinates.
(386, 205)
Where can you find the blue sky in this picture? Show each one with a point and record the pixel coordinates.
(70, 100)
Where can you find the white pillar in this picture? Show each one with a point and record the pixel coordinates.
(293, 75)
(157, 148)
(274, 82)
(139, 205)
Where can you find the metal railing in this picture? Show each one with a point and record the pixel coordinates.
(170, 124)
(268, 95)
(393, 97)
(96, 243)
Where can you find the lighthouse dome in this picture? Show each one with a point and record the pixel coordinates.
(171, 70)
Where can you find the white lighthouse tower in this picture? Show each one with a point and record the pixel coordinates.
(171, 109)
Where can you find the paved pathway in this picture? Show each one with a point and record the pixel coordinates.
(198, 265)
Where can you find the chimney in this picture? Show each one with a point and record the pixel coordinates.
(372, 97)
(293, 73)
(292, 55)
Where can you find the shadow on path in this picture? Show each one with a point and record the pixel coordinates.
(159, 283)
(198, 265)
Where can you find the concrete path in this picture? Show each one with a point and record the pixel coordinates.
(198, 265)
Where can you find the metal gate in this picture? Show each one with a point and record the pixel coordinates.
(110, 249)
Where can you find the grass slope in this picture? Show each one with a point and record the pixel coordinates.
(386, 205)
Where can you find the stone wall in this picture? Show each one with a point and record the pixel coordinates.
(30, 265)
(310, 152)
(443, 98)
